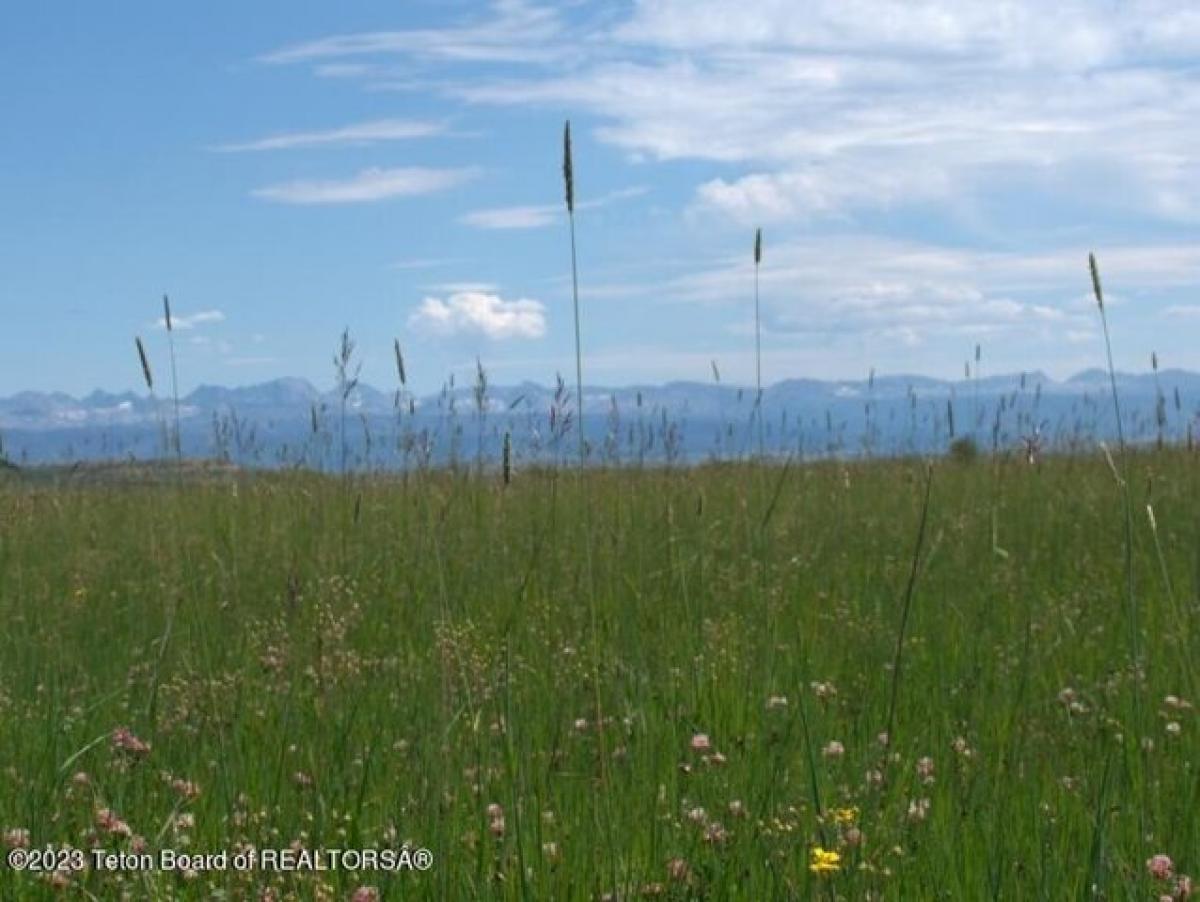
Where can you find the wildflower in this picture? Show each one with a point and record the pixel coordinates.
(58, 880)
(833, 749)
(124, 741)
(107, 820)
(854, 837)
(1069, 699)
(17, 838)
(701, 743)
(715, 834)
(365, 894)
(823, 691)
(496, 827)
(1173, 728)
(1183, 887)
(185, 789)
(581, 724)
(698, 816)
(824, 861)
(843, 816)
(737, 808)
(777, 701)
(918, 810)
(874, 778)
(962, 747)
(678, 870)
(1160, 866)
(550, 850)
(925, 770)
(494, 810)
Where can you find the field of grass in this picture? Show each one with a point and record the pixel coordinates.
(642, 683)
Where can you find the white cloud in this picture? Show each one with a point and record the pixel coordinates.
(843, 285)
(819, 190)
(1182, 311)
(367, 186)
(191, 321)
(463, 287)
(528, 217)
(860, 104)
(537, 216)
(516, 31)
(362, 133)
(423, 263)
(480, 314)
(855, 105)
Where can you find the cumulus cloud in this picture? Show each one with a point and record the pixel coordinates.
(475, 313)
(367, 186)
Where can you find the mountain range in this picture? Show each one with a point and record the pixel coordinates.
(691, 419)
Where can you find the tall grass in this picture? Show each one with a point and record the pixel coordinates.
(1131, 600)
(758, 389)
(441, 664)
(178, 441)
(568, 170)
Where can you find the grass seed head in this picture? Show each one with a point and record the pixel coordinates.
(400, 363)
(141, 349)
(568, 169)
(1096, 281)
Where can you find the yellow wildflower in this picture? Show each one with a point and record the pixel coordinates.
(824, 861)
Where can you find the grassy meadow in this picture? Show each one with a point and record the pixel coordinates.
(636, 683)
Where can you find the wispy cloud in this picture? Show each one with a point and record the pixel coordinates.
(874, 104)
(367, 186)
(462, 287)
(191, 321)
(474, 313)
(1182, 311)
(515, 31)
(360, 134)
(842, 285)
(537, 216)
(851, 107)
(423, 263)
(527, 217)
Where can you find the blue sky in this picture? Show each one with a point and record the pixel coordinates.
(929, 175)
